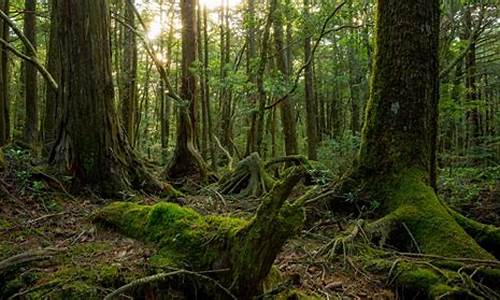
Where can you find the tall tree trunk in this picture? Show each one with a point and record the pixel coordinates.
(187, 161)
(250, 23)
(52, 102)
(30, 132)
(225, 92)
(310, 100)
(471, 95)
(288, 113)
(4, 80)
(90, 144)
(206, 100)
(128, 82)
(396, 157)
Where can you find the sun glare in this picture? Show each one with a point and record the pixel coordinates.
(155, 25)
(212, 4)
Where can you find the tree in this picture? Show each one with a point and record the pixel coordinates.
(186, 160)
(52, 100)
(310, 100)
(4, 74)
(396, 156)
(128, 83)
(288, 112)
(90, 145)
(30, 76)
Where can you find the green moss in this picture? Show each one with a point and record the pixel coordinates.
(409, 200)
(4, 224)
(181, 233)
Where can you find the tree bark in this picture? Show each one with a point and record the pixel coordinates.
(128, 82)
(90, 144)
(30, 132)
(187, 161)
(4, 80)
(398, 148)
(52, 101)
(288, 112)
(310, 100)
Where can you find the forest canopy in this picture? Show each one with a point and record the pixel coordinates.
(243, 149)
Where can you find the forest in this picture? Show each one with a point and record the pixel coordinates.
(243, 149)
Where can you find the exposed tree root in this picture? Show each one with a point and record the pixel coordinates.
(161, 277)
(186, 239)
(26, 258)
(249, 179)
(448, 255)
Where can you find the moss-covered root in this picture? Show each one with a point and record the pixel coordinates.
(487, 236)
(421, 220)
(188, 240)
(249, 179)
(422, 279)
(255, 247)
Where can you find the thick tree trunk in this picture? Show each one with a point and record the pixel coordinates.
(187, 161)
(90, 145)
(30, 132)
(396, 157)
(4, 80)
(128, 82)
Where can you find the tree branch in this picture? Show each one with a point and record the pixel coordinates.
(323, 33)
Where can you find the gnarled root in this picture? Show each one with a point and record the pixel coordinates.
(455, 254)
(249, 179)
(186, 239)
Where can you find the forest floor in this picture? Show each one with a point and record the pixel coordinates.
(37, 213)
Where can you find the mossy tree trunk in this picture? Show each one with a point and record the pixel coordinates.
(187, 161)
(397, 154)
(90, 145)
(396, 164)
(246, 249)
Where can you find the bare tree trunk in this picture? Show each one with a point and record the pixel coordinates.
(30, 133)
(250, 22)
(310, 101)
(187, 161)
(474, 131)
(52, 102)
(128, 83)
(4, 80)
(90, 144)
(288, 113)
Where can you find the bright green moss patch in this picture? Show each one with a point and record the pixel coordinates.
(409, 200)
(181, 233)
